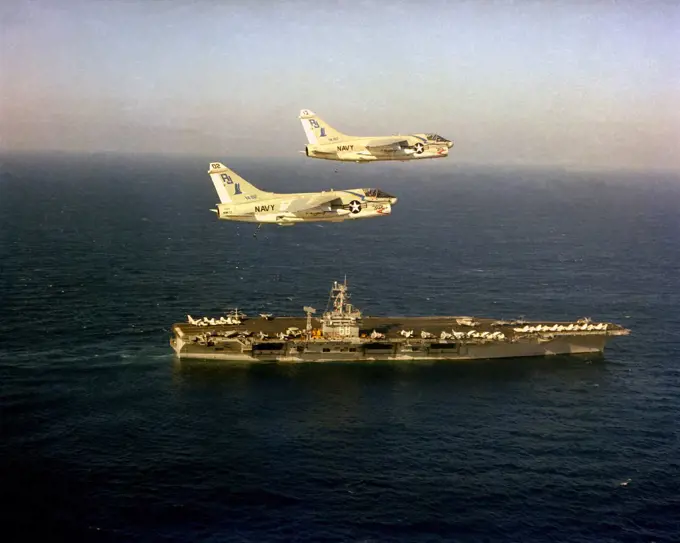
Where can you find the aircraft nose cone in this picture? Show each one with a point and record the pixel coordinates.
(393, 200)
(450, 144)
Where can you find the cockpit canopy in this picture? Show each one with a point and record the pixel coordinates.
(377, 193)
(436, 138)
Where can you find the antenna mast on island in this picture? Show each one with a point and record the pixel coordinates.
(310, 311)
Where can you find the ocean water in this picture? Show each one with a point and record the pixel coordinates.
(107, 437)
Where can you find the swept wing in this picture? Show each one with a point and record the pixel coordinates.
(309, 202)
(385, 146)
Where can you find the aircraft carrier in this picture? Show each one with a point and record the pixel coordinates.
(344, 334)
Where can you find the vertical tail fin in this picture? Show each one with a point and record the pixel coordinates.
(318, 131)
(232, 188)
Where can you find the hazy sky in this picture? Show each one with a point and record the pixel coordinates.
(585, 84)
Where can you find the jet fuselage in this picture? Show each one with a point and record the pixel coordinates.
(325, 142)
(345, 205)
(362, 149)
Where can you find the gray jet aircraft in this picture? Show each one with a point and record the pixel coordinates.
(327, 143)
(242, 201)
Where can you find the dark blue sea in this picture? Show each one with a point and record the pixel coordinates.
(107, 437)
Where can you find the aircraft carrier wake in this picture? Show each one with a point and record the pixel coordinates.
(344, 334)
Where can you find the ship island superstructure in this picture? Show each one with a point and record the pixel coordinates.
(343, 333)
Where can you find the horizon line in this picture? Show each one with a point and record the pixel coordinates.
(575, 168)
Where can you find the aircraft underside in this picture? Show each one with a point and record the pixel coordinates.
(337, 215)
(367, 156)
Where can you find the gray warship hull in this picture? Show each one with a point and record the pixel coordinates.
(343, 333)
(242, 342)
